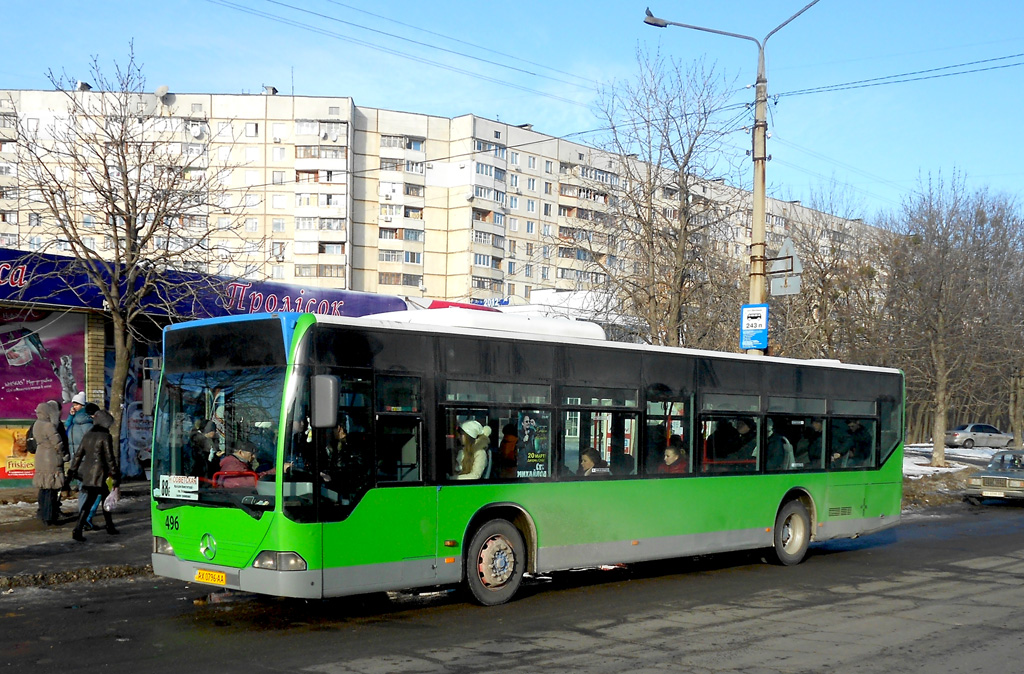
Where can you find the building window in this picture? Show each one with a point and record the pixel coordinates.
(277, 272)
(386, 278)
(511, 267)
(277, 177)
(306, 151)
(513, 202)
(332, 224)
(547, 166)
(387, 233)
(389, 256)
(305, 247)
(305, 270)
(333, 110)
(414, 144)
(413, 258)
(307, 127)
(513, 224)
(513, 158)
(531, 162)
(531, 184)
(531, 206)
(251, 224)
(331, 270)
(277, 224)
(278, 154)
(530, 225)
(305, 223)
(391, 141)
(414, 190)
(252, 129)
(413, 235)
(279, 201)
(528, 270)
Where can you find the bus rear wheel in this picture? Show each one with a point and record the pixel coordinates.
(495, 563)
(792, 533)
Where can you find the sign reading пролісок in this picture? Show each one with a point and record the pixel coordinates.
(754, 326)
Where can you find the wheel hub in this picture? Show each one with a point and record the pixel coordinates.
(497, 561)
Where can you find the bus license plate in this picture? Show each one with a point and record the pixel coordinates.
(212, 577)
(994, 494)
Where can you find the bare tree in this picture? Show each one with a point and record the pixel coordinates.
(121, 182)
(662, 247)
(940, 251)
(836, 313)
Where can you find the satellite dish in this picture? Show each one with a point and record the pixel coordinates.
(334, 137)
(161, 91)
(197, 131)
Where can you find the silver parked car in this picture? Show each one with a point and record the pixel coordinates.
(977, 435)
(1002, 478)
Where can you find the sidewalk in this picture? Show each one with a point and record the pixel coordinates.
(32, 553)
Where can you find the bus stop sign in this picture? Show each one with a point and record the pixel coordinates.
(754, 326)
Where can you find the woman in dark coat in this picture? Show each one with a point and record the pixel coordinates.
(94, 462)
(49, 473)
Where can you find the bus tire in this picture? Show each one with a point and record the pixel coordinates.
(495, 562)
(792, 533)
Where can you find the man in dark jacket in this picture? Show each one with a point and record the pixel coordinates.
(95, 461)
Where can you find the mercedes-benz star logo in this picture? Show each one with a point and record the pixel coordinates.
(208, 546)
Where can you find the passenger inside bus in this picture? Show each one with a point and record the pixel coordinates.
(675, 460)
(851, 443)
(473, 457)
(592, 465)
(507, 458)
(778, 450)
(808, 447)
(746, 443)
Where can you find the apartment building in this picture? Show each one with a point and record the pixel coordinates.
(332, 194)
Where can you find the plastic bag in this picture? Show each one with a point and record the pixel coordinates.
(110, 503)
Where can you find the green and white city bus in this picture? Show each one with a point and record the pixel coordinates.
(308, 456)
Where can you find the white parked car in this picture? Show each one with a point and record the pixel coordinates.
(977, 435)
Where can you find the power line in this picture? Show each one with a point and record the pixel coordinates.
(908, 77)
(455, 39)
(395, 52)
(422, 44)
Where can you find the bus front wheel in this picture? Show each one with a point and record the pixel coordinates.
(792, 533)
(495, 563)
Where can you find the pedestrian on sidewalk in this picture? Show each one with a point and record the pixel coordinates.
(95, 461)
(49, 472)
(77, 424)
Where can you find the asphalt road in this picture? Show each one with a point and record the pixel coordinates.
(940, 593)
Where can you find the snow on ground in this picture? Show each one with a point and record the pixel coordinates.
(916, 459)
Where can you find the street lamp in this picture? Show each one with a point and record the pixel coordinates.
(757, 237)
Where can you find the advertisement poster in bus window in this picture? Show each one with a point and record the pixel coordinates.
(15, 461)
(43, 359)
(534, 444)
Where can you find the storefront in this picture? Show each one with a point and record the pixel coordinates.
(54, 339)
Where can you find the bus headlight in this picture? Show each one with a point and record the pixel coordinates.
(279, 561)
(161, 546)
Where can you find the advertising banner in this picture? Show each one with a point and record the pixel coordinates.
(15, 461)
(42, 359)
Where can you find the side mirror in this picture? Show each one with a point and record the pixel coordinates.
(323, 401)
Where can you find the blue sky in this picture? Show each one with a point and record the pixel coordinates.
(540, 62)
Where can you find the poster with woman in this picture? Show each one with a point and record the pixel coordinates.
(43, 358)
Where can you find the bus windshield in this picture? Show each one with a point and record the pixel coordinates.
(216, 435)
